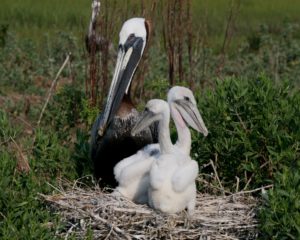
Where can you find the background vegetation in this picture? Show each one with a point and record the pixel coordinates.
(244, 67)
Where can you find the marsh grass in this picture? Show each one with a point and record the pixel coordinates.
(33, 19)
(30, 18)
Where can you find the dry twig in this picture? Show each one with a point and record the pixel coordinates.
(22, 160)
(53, 84)
(216, 173)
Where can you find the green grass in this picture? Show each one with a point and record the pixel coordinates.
(252, 14)
(22, 214)
(34, 19)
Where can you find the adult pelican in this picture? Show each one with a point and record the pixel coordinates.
(132, 173)
(111, 138)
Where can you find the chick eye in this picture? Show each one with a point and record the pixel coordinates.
(187, 98)
(146, 109)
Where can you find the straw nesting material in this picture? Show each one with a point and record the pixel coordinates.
(111, 217)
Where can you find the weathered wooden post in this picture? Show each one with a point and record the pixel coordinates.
(93, 44)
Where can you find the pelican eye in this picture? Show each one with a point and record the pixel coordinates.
(187, 98)
(130, 36)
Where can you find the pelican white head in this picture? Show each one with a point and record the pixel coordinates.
(134, 28)
(184, 102)
(132, 42)
(155, 110)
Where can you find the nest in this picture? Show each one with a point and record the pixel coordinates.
(86, 210)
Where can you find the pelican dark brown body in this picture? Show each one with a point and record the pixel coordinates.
(117, 144)
(111, 133)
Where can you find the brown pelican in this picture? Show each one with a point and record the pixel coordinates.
(111, 138)
(132, 173)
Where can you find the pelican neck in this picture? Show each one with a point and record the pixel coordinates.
(164, 134)
(183, 132)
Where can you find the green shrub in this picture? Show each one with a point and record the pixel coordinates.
(51, 156)
(89, 113)
(81, 154)
(280, 214)
(70, 115)
(23, 214)
(65, 109)
(254, 134)
(253, 127)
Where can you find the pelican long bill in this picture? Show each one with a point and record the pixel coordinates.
(129, 55)
(191, 115)
(146, 119)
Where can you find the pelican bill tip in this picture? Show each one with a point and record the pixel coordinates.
(101, 131)
(204, 132)
(133, 132)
